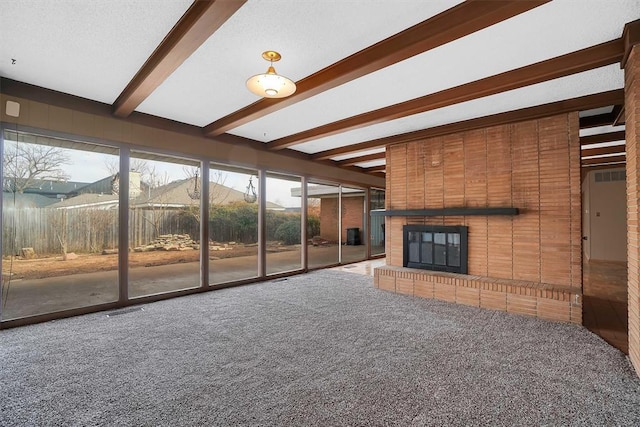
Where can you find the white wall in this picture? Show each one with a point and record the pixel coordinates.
(605, 205)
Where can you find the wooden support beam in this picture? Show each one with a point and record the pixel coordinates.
(619, 114)
(603, 137)
(457, 22)
(589, 168)
(199, 22)
(354, 160)
(576, 62)
(614, 149)
(375, 169)
(603, 160)
(531, 113)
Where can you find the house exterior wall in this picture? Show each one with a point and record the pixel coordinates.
(533, 166)
(352, 217)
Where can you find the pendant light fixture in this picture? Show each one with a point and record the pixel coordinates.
(250, 195)
(271, 84)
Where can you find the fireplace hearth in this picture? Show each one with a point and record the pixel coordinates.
(438, 248)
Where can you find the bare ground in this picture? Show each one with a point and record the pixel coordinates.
(52, 266)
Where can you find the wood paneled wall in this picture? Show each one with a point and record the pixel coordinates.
(534, 166)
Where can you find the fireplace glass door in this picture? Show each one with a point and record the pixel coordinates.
(436, 248)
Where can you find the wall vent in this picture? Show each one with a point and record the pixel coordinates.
(608, 176)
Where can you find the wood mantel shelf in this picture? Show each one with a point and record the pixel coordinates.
(447, 212)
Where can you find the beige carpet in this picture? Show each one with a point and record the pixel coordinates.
(321, 349)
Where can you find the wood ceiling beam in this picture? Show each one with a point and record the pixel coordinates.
(602, 160)
(197, 24)
(375, 169)
(576, 62)
(457, 22)
(614, 149)
(589, 168)
(608, 119)
(588, 102)
(354, 160)
(620, 118)
(596, 121)
(603, 137)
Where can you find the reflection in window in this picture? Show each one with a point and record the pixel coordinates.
(322, 225)
(353, 225)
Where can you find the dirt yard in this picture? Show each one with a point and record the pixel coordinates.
(53, 266)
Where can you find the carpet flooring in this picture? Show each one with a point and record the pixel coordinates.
(320, 349)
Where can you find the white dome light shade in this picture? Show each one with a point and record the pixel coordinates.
(270, 84)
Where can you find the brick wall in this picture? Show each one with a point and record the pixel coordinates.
(534, 166)
(528, 298)
(352, 215)
(632, 117)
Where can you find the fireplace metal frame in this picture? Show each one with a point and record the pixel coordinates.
(456, 229)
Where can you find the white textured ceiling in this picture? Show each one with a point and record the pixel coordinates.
(586, 83)
(310, 35)
(93, 48)
(88, 48)
(539, 34)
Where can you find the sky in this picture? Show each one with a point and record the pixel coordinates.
(88, 166)
(91, 166)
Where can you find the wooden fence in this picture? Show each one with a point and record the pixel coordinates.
(86, 230)
(91, 230)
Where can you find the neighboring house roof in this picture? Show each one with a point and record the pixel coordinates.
(176, 194)
(46, 187)
(21, 200)
(102, 186)
(104, 201)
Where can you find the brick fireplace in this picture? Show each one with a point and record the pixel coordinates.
(516, 190)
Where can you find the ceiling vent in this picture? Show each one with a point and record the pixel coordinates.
(608, 176)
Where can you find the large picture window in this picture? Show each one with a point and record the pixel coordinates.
(164, 224)
(59, 224)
